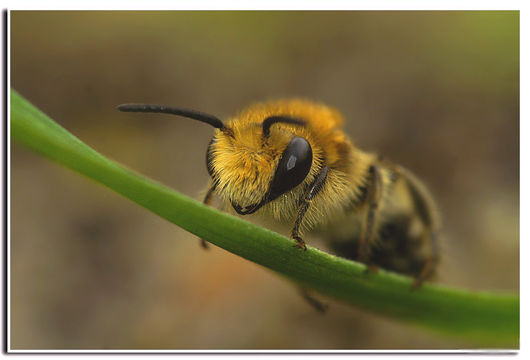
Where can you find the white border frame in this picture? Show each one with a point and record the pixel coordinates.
(284, 5)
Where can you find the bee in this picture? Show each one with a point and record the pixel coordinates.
(290, 160)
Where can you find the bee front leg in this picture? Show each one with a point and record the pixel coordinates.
(374, 196)
(313, 190)
(207, 201)
(295, 233)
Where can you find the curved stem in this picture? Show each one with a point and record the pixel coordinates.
(485, 318)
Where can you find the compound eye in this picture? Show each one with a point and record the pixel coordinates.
(293, 167)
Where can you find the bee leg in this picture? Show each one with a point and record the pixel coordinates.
(371, 268)
(374, 196)
(314, 189)
(426, 210)
(207, 201)
(315, 303)
(430, 263)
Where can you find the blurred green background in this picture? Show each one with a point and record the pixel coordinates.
(437, 92)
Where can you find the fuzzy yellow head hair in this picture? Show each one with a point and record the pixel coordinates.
(270, 149)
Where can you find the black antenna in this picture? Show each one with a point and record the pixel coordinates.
(271, 120)
(192, 114)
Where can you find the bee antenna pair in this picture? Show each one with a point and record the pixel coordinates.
(205, 118)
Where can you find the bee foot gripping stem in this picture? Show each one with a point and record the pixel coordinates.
(371, 269)
(299, 243)
(416, 284)
(426, 272)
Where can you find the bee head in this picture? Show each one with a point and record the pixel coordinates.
(254, 158)
(259, 161)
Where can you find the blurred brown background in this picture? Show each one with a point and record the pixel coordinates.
(437, 92)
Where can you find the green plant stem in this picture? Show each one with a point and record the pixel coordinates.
(483, 318)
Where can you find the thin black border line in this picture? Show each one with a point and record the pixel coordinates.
(4, 178)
